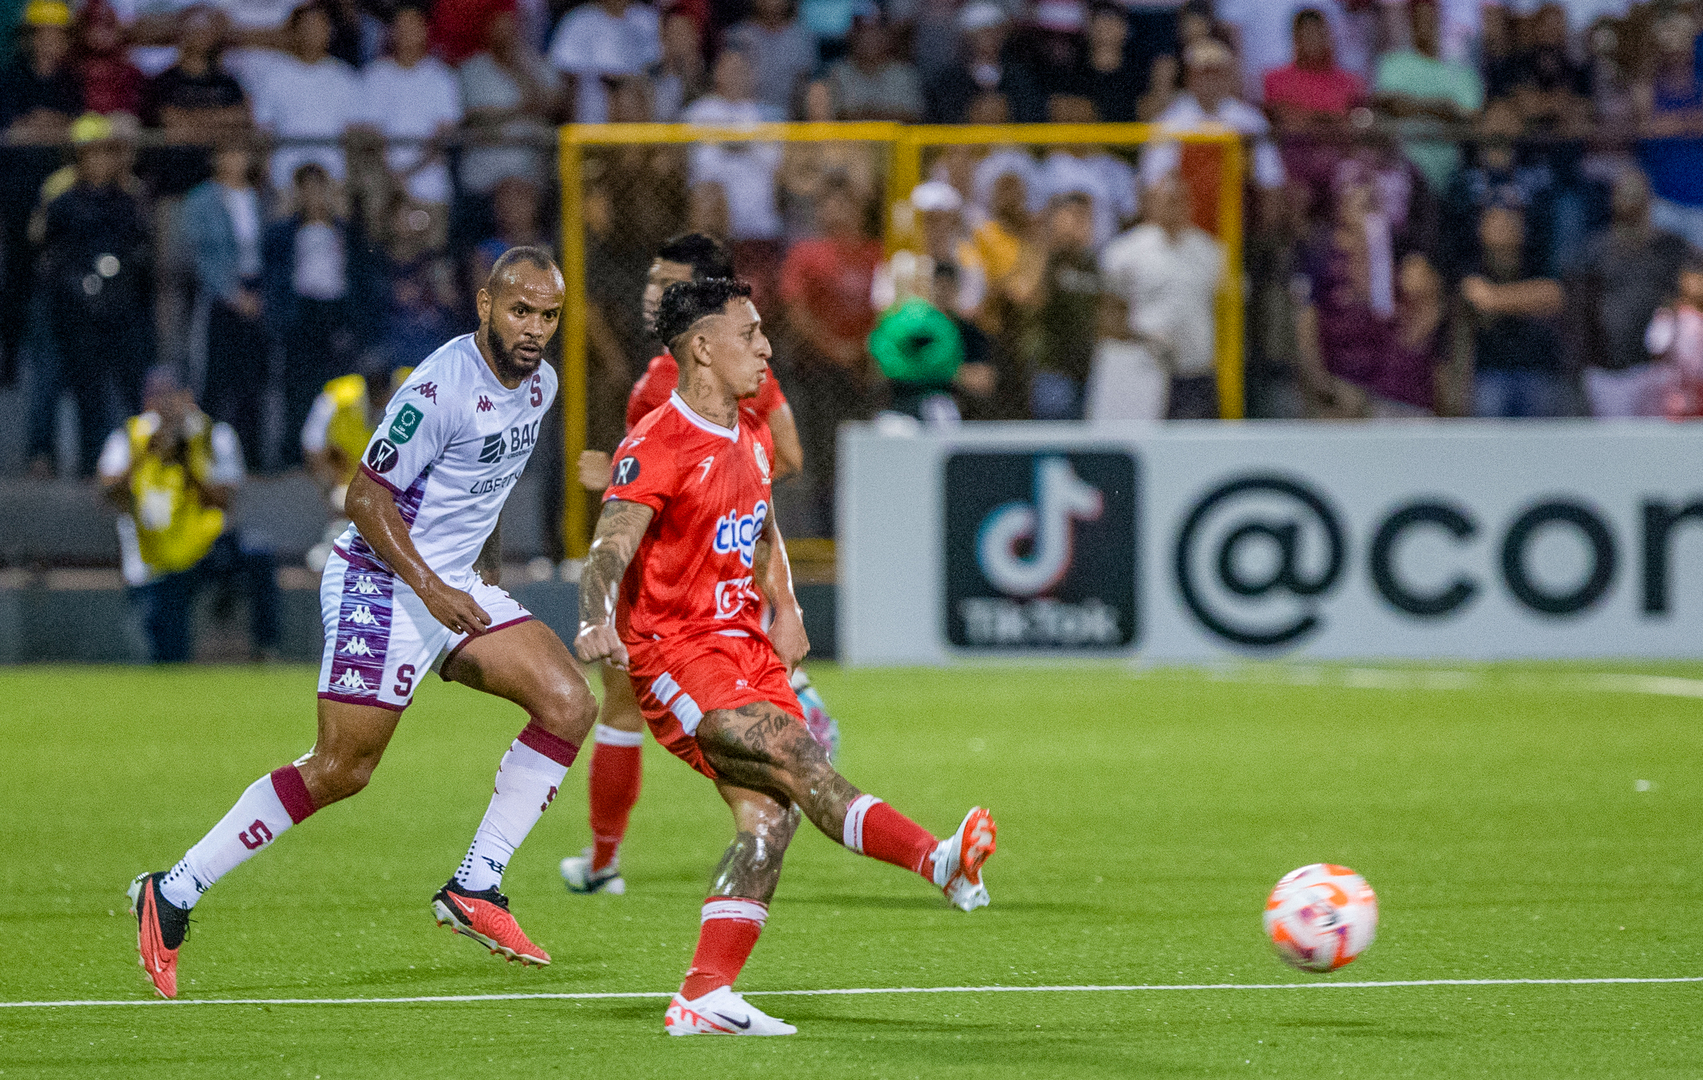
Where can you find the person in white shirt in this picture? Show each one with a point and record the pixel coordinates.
(781, 49)
(1109, 181)
(509, 93)
(608, 37)
(411, 96)
(306, 94)
(1162, 279)
(745, 172)
(1208, 100)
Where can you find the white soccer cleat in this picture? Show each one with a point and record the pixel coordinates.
(579, 877)
(721, 1012)
(959, 858)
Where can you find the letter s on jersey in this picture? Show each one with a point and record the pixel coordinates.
(739, 532)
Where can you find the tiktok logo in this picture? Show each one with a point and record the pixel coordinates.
(1047, 526)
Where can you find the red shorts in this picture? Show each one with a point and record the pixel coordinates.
(678, 680)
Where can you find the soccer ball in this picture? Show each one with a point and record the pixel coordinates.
(1321, 916)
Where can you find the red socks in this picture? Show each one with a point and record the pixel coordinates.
(615, 778)
(875, 829)
(729, 933)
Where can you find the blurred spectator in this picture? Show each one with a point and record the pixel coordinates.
(744, 173)
(872, 83)
(1418, 84)
(1541, 78)
(194, 103)
(95, 257)
(1626, 272)
(39, 97)
(1109, 76)
(806, 166)
(1262, 36)
(509, 94)
(1087, 168)
(680, 77)
(111, 83)
(1676, 336)
(1161, 280)
(927, 355)
(1498, 177)
(1313, 92)
(1517, 354)
(931, 26)
(316, 286)
(825, 286)
(605, 37)
(1057, 291)
(830, 24)
(306, 94)
(1367, 312)
(420, 307)
(518, 209)
(985, 67)
(1670, 111)
(1610, 84)
(1195, 22)
(461, 29)
(732, 100)
(413, 98)
(781, 49)
(938, 212)
(172, 471)
(337, 431)
(1210, 99)
(999, 239)
(220, 225)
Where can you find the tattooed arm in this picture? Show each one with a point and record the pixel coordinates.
(489, 564)
(774, 576)
(619, 531)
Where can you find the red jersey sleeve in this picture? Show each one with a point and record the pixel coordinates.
(644, 471)
(652, 390)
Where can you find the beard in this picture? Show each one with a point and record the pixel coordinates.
(509, 366)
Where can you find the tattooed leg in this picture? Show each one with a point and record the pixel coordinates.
(764, 748)
(764, 827)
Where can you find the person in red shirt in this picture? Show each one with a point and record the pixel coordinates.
(616, 772)
(685, 547)
(1313, 90)
(825, 285)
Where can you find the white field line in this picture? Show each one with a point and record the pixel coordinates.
(862, 991)
(1368, 678)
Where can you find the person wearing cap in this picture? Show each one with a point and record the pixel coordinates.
(39, 97)
(939, 215)
(96, 255)
(172, 472)
(1209, 99)
(872, 83)
(986, 67)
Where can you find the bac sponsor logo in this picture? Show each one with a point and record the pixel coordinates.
(407, 422)
(739, 532)
(493, 450)
(517, 440)
(381, 456)
(1041, 551)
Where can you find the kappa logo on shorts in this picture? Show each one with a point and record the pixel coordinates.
(361, 616)
(365, 586)
(351, 680)
(356, 646)
(382, 457)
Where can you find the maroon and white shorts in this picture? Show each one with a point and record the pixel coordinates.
(379, 637)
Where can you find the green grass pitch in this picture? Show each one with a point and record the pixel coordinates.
(1143, 817)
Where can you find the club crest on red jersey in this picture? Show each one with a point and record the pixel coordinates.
(762, 459)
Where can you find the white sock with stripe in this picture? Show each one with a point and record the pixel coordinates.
(527, 781)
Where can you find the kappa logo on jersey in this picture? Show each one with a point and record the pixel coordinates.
(626, 471)
(737, 532)
(365, 586)
(356, 646)
(484, 404)
(493, 450)
(428, 390)
(351, 680)
(361, 616)
(407, 422)
(382, 457)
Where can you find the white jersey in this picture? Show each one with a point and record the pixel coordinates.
(450, 447)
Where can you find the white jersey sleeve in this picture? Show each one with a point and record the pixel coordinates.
(418, 424)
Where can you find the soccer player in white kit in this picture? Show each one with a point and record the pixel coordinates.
(412, 587)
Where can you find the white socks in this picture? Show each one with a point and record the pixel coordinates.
(527, 781)
(270, 806)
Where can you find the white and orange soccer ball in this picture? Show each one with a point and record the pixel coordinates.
(1321, 916)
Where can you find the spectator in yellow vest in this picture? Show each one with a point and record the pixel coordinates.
(338, 428)
(172, 472)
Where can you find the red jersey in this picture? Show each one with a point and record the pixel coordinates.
(709, 487)
(662, 377)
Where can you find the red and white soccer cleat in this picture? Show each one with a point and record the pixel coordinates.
(721, 1012)
(484, 917)
(160, 929)
(959, 858)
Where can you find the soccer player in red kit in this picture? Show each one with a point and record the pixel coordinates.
(615, 776)
(670, 592)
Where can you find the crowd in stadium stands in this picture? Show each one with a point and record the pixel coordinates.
(1453, 207)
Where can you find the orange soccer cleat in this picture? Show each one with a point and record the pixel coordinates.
(959, 858)
(484, 917)
(160, 929)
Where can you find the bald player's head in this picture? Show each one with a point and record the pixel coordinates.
(519, 310)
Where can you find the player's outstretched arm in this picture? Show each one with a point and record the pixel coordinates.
(373, 510)
(774, 576)
(619, 530)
